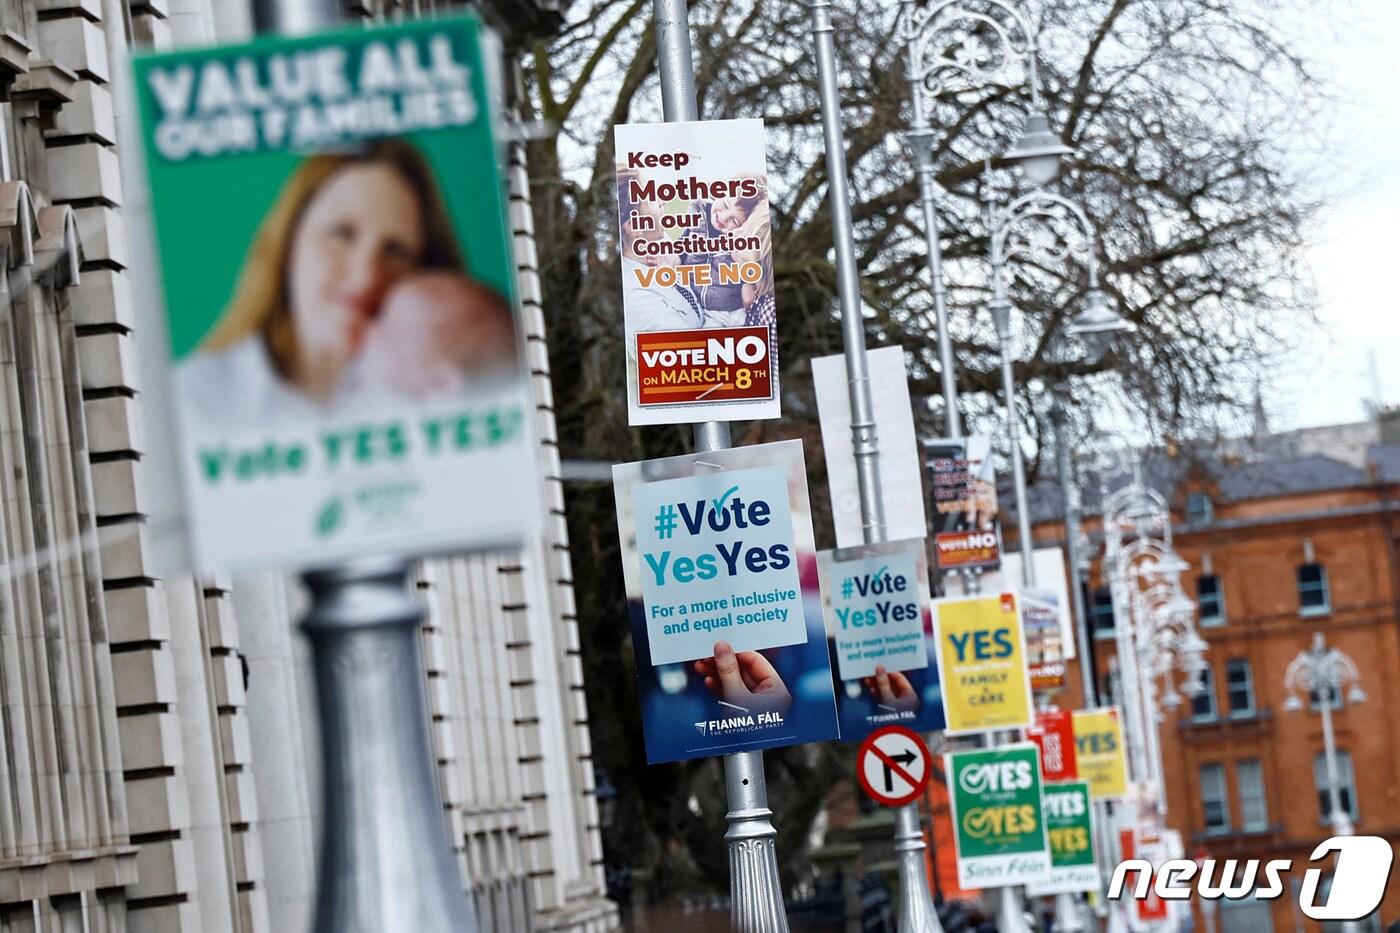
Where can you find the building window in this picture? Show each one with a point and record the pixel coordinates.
(1346, 783)
(1210, 595)
(1239, 688)
(1313, 596)
(1199, 509)
(1203, 703)
(1254, 809)
(1214, 802)
(1101, 612)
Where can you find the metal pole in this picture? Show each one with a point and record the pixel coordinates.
(386, 863)
(916, 913)
(1076, 576)
(1341, 823)
(921, 137)
(294, 17)
(1327, 679)
(755, 892)
(848, 280)
(1011, 914)
(1001, 317)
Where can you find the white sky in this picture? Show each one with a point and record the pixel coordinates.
(1355, 252)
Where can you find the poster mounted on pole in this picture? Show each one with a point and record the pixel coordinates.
(1045, 645)
(997, 814)
(1049, 625)
(720, 568)
(982, 664)
(338, 288)
(696, 248)
(875, 599)
(1069, 824)
(963, 487)
(1099, 752)
(901, 487)
(1053, 734)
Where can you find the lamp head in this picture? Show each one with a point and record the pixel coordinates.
(1001, 316)
(1038, 152)
(1098, 325)
(1292, 704)
(920, 140)
(1356, 694)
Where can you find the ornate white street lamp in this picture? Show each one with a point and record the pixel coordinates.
(1326, 673)
(961, 44)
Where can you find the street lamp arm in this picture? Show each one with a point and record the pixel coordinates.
(1051, 208)
(1343, 669)
(919, 25)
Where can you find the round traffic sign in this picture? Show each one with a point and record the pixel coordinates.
(893, 765)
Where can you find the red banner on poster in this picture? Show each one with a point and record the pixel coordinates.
(1053, 733)
(966, 549)
(686, 366)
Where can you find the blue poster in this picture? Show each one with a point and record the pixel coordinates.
(724, 603)
(879, 627)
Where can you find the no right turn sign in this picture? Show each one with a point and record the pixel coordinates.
(893, 766)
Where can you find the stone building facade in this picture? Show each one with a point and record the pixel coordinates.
(157, 734)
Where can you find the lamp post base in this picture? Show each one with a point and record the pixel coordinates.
(386, 865)
(755, 892)
(916, 913)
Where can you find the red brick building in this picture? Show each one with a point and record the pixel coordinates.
(1279, 548)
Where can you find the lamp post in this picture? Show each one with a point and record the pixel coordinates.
(1057, 229)
(945, 42)
(385, 861)
(1326, 672)
(756, 896)
(916, 911)
(1154, 628)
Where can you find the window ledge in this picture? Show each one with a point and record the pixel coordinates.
(1258, 717)
(1237, 833)
(1314, 612)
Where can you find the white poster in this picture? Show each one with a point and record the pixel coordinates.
(697, 272)
(900, 484)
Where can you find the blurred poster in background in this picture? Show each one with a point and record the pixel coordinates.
(965, 519)
(346, 366)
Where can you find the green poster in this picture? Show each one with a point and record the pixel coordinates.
(999, 829)
(329, 214)
(1069, 823)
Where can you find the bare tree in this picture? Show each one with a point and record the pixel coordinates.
(1177, 110)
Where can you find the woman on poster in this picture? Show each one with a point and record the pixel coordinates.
(354, 289)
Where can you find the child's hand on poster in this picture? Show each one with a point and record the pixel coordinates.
(746, 680)
(892, 689)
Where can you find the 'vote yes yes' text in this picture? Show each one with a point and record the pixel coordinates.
(718, 563)
(874, 612)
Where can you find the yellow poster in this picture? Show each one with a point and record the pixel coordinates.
(982, 663)
(1098, 746)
